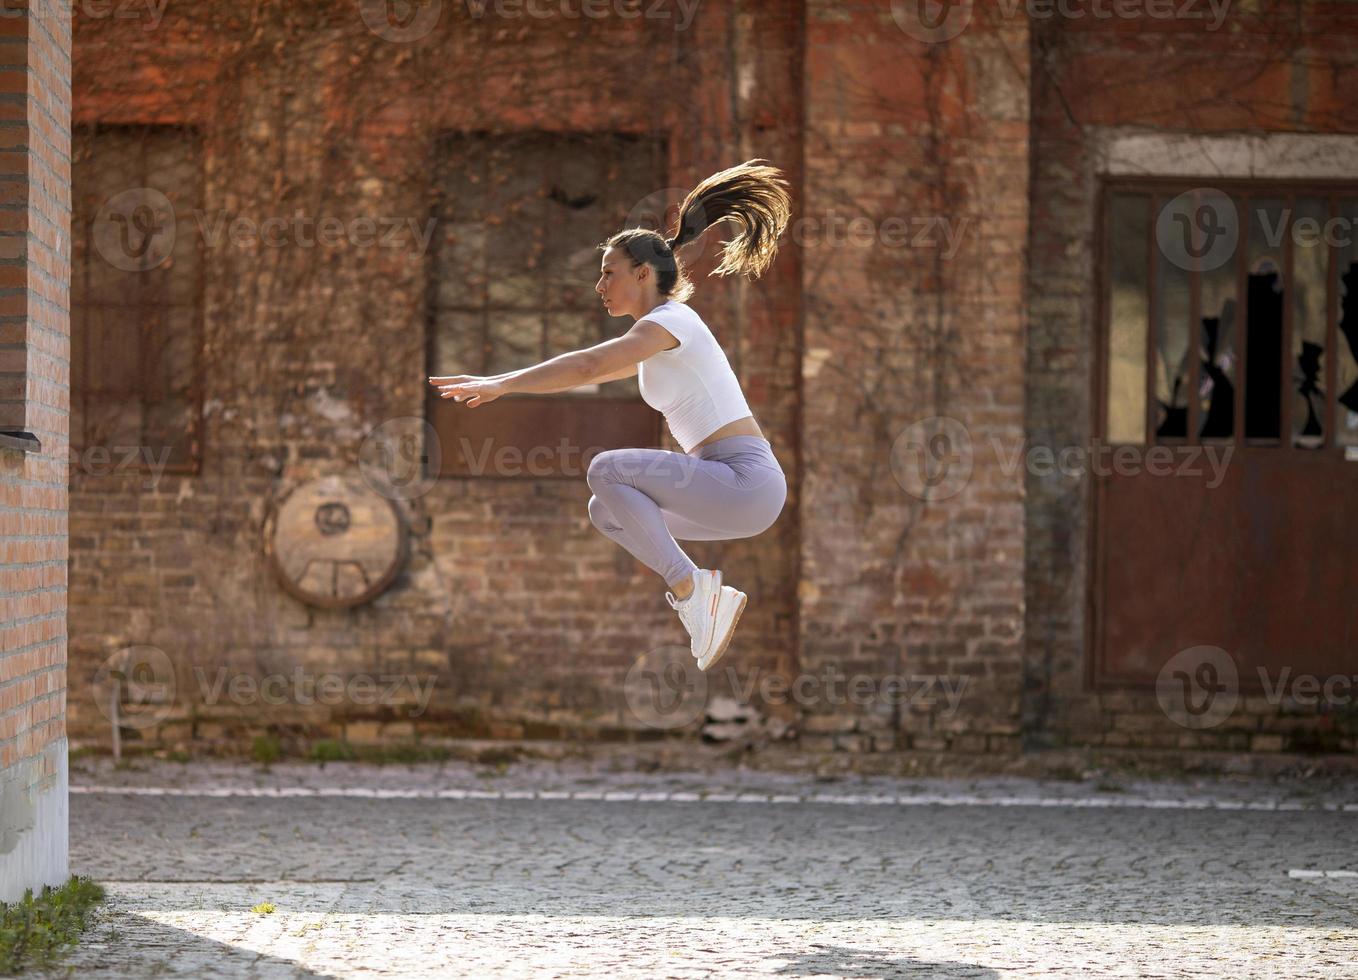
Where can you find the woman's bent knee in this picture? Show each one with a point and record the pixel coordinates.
(778, 512)
(599, 515)
(602, 468)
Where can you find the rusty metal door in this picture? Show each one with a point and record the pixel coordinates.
(1228, 521)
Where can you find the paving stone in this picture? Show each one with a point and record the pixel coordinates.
(564, 871)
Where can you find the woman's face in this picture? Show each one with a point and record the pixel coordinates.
(620, 286)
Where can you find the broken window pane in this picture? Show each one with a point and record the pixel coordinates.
(1171, 361)
(1264, 330)
(1346, 367)
(1129, 223)
(1217, 342)
(1310, 313)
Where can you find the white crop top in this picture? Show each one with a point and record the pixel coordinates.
(692, 385)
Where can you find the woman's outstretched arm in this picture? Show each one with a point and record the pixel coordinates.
(612, 359)
(618, 375)
(627, 372)
(560, 373)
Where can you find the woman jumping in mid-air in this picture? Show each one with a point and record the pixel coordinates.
(727, 483)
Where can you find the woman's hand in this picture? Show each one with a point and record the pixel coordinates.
(475, 391)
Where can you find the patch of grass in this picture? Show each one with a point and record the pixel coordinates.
(409, 753)
(264, 908)
(266, 749)
(330, 750)
(35, 931)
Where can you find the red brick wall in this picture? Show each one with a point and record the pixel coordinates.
(974, 324)
(1272, 67)
(526, 616)
(843, 348)
(897, 580)
(34, 331)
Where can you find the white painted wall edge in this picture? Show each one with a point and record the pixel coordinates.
(34, 826)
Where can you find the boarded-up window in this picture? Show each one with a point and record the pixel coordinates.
(512, 274)
(136, 295)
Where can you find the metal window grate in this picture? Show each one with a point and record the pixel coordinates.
(137, 293)
(1231, 313)
(511, 283)
(519, 218)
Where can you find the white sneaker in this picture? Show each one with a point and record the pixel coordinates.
(698, 612)
(729, 608)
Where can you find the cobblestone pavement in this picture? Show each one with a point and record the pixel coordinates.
(562, 870)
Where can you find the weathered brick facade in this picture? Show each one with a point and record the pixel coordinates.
(965, 300)
(1272, 68)
(35, 105)
(526, 616)
(890, 583)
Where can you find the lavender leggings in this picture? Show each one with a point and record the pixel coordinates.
(646, 498)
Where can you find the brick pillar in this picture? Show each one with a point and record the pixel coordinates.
(35, 219)
(913, 535)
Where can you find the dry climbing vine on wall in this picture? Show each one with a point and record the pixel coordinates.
(307, 113)
(901, 355)
(303, 112)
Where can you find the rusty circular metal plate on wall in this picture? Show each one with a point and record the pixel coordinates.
(334, 542)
